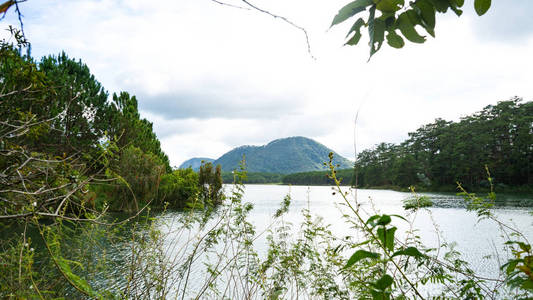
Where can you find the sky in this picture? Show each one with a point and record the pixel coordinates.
(211, 77)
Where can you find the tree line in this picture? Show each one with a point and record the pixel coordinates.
(496, 142)
(69, 145)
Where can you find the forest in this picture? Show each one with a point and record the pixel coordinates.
(495, 142)
(61, 135)
(441, 154)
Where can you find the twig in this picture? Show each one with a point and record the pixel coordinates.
(230, 5)
(286, 21)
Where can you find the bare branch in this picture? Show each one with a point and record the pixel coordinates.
(286, 20)
(230, 5)
(16, 92)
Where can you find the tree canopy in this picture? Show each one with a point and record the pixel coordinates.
(500, 138)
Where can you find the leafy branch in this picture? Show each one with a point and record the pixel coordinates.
(397, 19)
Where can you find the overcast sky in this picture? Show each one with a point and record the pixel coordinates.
(211, 77)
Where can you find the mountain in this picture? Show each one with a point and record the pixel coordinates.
(288, 155)
(195, 163)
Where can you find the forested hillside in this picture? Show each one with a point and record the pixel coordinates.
(288, 155)
(439, 154)
(195, 163)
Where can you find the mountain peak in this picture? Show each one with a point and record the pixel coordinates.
(284, 155)
(195, 163)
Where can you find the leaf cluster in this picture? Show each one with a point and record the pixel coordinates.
(395, 20)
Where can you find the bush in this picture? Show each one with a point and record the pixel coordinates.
(138, 180)
(178, 188)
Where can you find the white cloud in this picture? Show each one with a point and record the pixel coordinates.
(211, 78)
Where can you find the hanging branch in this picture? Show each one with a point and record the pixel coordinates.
(264, 11)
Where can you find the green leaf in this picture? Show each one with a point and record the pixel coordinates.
(376, 220)
(389, 6)
(372, 219)
(371, 30)
(528, 284)
(384, 282)
(456, 10)
(525, 247)
(73, 278)
(400, 217)
(408, 30)
(380, 295)
(355, 39)
(360, 254)
(458, 3)
(440, 5)
(387, 237)
(394, 40)
(511, 266)
(356, 26)
(409, 251)
(427, 12)
(414, 17)
(350, 10)
(379, 33)
(482, 6)
(357, 29)
(384, 220)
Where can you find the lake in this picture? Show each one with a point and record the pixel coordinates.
(474, 239)
(481, 243)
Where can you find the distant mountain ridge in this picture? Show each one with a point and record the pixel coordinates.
(285, 156)
(195, 163)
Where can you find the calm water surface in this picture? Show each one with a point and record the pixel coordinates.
(448, 221)
(476, 240)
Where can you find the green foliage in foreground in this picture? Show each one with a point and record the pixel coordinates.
(392, 19)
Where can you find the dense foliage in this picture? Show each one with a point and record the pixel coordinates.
(288, 155)
(345, 176)
(442, 153)
(62, 135)
(68, 154)
(254, 177)
(179, 188)
(210, 182)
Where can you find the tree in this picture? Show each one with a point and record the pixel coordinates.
(139, 177)
(210, 182)
(179, 188)
(34, 180)
(81, 100)
(126, 127)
